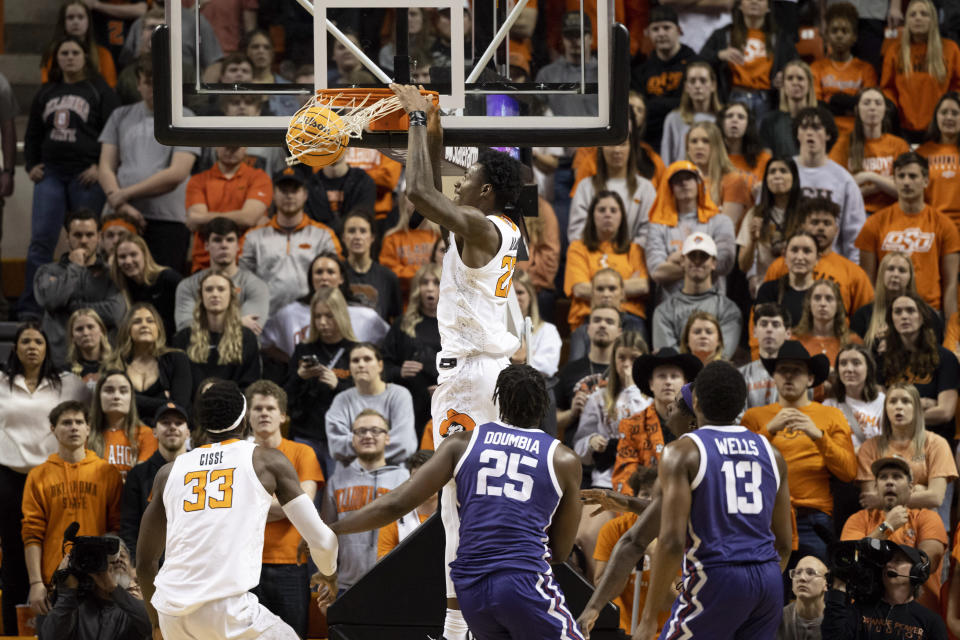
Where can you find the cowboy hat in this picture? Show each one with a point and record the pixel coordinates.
(818, 365)
(644, 366)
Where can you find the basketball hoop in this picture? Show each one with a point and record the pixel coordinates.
(318, 134)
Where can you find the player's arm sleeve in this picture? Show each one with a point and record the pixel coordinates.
(321, 540)
(836, 447)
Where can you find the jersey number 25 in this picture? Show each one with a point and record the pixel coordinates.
(522, 486)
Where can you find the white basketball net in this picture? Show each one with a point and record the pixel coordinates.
(355, 111)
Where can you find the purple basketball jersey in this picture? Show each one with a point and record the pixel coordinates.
(507, 493)
(733, 496)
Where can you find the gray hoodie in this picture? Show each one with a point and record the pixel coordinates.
(671, 316)
(349, 489)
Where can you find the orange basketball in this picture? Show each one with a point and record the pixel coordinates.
(315, 136)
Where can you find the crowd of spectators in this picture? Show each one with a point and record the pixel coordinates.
(785, 200)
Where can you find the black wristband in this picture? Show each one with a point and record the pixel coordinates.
(418, 119)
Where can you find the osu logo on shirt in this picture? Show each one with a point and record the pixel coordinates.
(755, 50)
(456, 422)
(911, 240)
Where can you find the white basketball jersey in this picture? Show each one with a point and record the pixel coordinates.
(216, 513)
(472, 310)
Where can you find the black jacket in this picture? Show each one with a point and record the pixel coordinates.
(90, 618)
(783, 52)
(310, 399)
(661, 83)
(136, 496)
(355, 190)
(879, 621)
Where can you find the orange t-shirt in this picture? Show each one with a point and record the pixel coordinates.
(831, 77)
(735, 187)
(926, 237)
(810, 463)
(610, 534)
(388, 537)
(281, 538)
(828, 346)
(916, 95)
(943, 194)
(104, 60)
(922, 525)
(582, 264)
(754, 73)
(810, 45)
(404, 252)
(220, 193)
(641, 444)
(117, 450)
(936, 462)
(878, 157)
(740, 162)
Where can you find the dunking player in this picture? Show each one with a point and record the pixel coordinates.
(728, 522)
(474, 285)
(518, 494)
(208, 513)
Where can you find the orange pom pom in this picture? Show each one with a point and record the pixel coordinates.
(315, 136)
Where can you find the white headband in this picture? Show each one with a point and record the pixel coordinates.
(236, 422)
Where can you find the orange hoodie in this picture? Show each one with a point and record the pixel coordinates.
(664, 209)
(58, 493)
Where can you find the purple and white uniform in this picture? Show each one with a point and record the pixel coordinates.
(507, 492)
(732, 587)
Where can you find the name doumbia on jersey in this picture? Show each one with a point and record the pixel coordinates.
(212, 457)
(737, 447)
(531, 445)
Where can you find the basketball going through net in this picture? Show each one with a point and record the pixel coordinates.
(319, 132)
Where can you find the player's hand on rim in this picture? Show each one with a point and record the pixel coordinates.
(411, 99)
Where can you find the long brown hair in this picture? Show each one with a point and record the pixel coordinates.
(88, 42)
(738, 30)
(98, 419)
(904, 365)
(73, 354)
(627, 340)
(686, 103)
(858, 137)
(124, 351)
(412, 315)
(805, 326)
(151, 270)
(600, 178)
(685, 336)
(621, 241)
(883, 299)
(919, 424)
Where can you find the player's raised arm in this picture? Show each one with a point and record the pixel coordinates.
(430, 478)
(468, 223)
(680, 460)
(299, 508)
(151, 542)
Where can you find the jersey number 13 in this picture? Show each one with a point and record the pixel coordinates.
(751, 501)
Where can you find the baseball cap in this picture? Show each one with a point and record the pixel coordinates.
(891, 461)
(288, 174)
(664, 14)
(571, 23)
(699, 241)
(170, 407)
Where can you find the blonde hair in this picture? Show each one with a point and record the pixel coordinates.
(73, 354)
(805, 326)
(685, 336)
(882, 298)
(811, 99)
(686, 102)
(334, 300)
(934, 61)
(124, 350)
(522, 279)
(230, 348)
(151, 270)
(718, 165)
(98, 419)
(919, 425)
(412, 314)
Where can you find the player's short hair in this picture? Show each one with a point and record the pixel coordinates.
(503, 172)
(911, 157)
(819, 204)
(642, 478)
(418, 459)
(269, 389)
(80, 214)
(522, 395)
(720, 391)
(843, 11)
(220, 408)
(772, 310)
(73, 406)
(222, 226)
